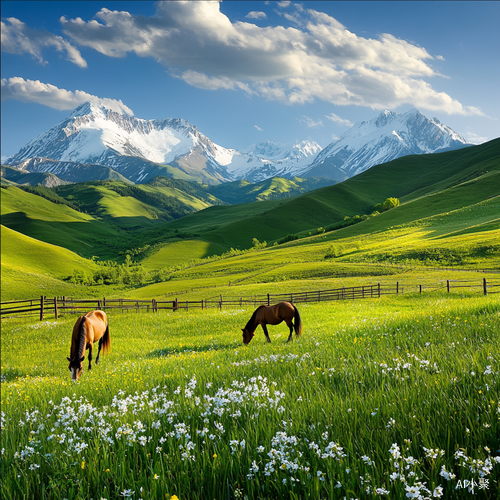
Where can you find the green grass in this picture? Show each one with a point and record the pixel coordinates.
(180, 407)
(179, 252)
(57, 224)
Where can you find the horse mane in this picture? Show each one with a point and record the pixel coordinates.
(81, 339)
(251, 321)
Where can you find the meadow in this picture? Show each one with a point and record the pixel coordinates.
(396, 397)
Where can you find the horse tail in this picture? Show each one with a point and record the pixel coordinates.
(106, 339)
(297, 323)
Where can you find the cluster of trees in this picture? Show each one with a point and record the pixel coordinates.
(51, 195)
(111, 274)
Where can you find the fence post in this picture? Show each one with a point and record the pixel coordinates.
(98, 305)
(448, 285)
(41, 307)
(485, 288)
(420, 288)
(378, 285)
(55, 308)
(268, 303)
(397, 287)
(176, 305)
(104, 302)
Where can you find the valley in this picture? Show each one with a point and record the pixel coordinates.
(448, 216)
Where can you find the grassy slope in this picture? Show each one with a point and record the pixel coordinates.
(181, 251)
(274, 188)
(29, 264)
(406, 178)
(56, 224)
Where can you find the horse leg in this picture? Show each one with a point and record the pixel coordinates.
(98, 351)
(90, 355)
(290, 325)
(264, 327)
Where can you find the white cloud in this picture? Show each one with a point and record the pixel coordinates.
(17, 38)
(49, 95)
(340, 121)
(284, 3)
(256, 15)
(317, 58)
(258, 128)
(310, 122)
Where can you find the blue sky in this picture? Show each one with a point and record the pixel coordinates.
(244, 72)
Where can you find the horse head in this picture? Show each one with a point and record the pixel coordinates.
(75, 367)
(247, 335)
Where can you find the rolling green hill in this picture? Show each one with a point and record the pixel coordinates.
(56, 224)
(465, 176)
(31, 268)
(238, 192)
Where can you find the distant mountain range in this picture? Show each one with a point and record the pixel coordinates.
(96, 143)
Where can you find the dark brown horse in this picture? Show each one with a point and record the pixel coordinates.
(273, 315)
(88, 329)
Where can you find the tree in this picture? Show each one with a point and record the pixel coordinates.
(390, 203)
(386, 205)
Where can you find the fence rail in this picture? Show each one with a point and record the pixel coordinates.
(68, 305)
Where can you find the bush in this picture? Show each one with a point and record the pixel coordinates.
(333, 251)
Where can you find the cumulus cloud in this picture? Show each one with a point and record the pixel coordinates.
(256, 15)
(49, 95)
(17, 38)
(338, 120)
(316, 57)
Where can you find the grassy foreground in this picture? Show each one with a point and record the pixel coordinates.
(395, 397)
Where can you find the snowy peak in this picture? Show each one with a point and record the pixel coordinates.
(272, 150)
(386, 137)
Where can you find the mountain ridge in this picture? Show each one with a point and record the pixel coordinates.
(140, 149)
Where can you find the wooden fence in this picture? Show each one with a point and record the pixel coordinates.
(67, 305)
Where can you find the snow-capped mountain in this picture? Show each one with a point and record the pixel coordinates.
(95, 134)
(280, 159)
(385, 138)
(96, 142)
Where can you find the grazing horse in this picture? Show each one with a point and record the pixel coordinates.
(273, 315)
(88, 329)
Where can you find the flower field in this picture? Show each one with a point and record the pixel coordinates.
(396, 397)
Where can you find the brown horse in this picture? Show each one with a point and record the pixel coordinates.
(273, 315)
(88, 329)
